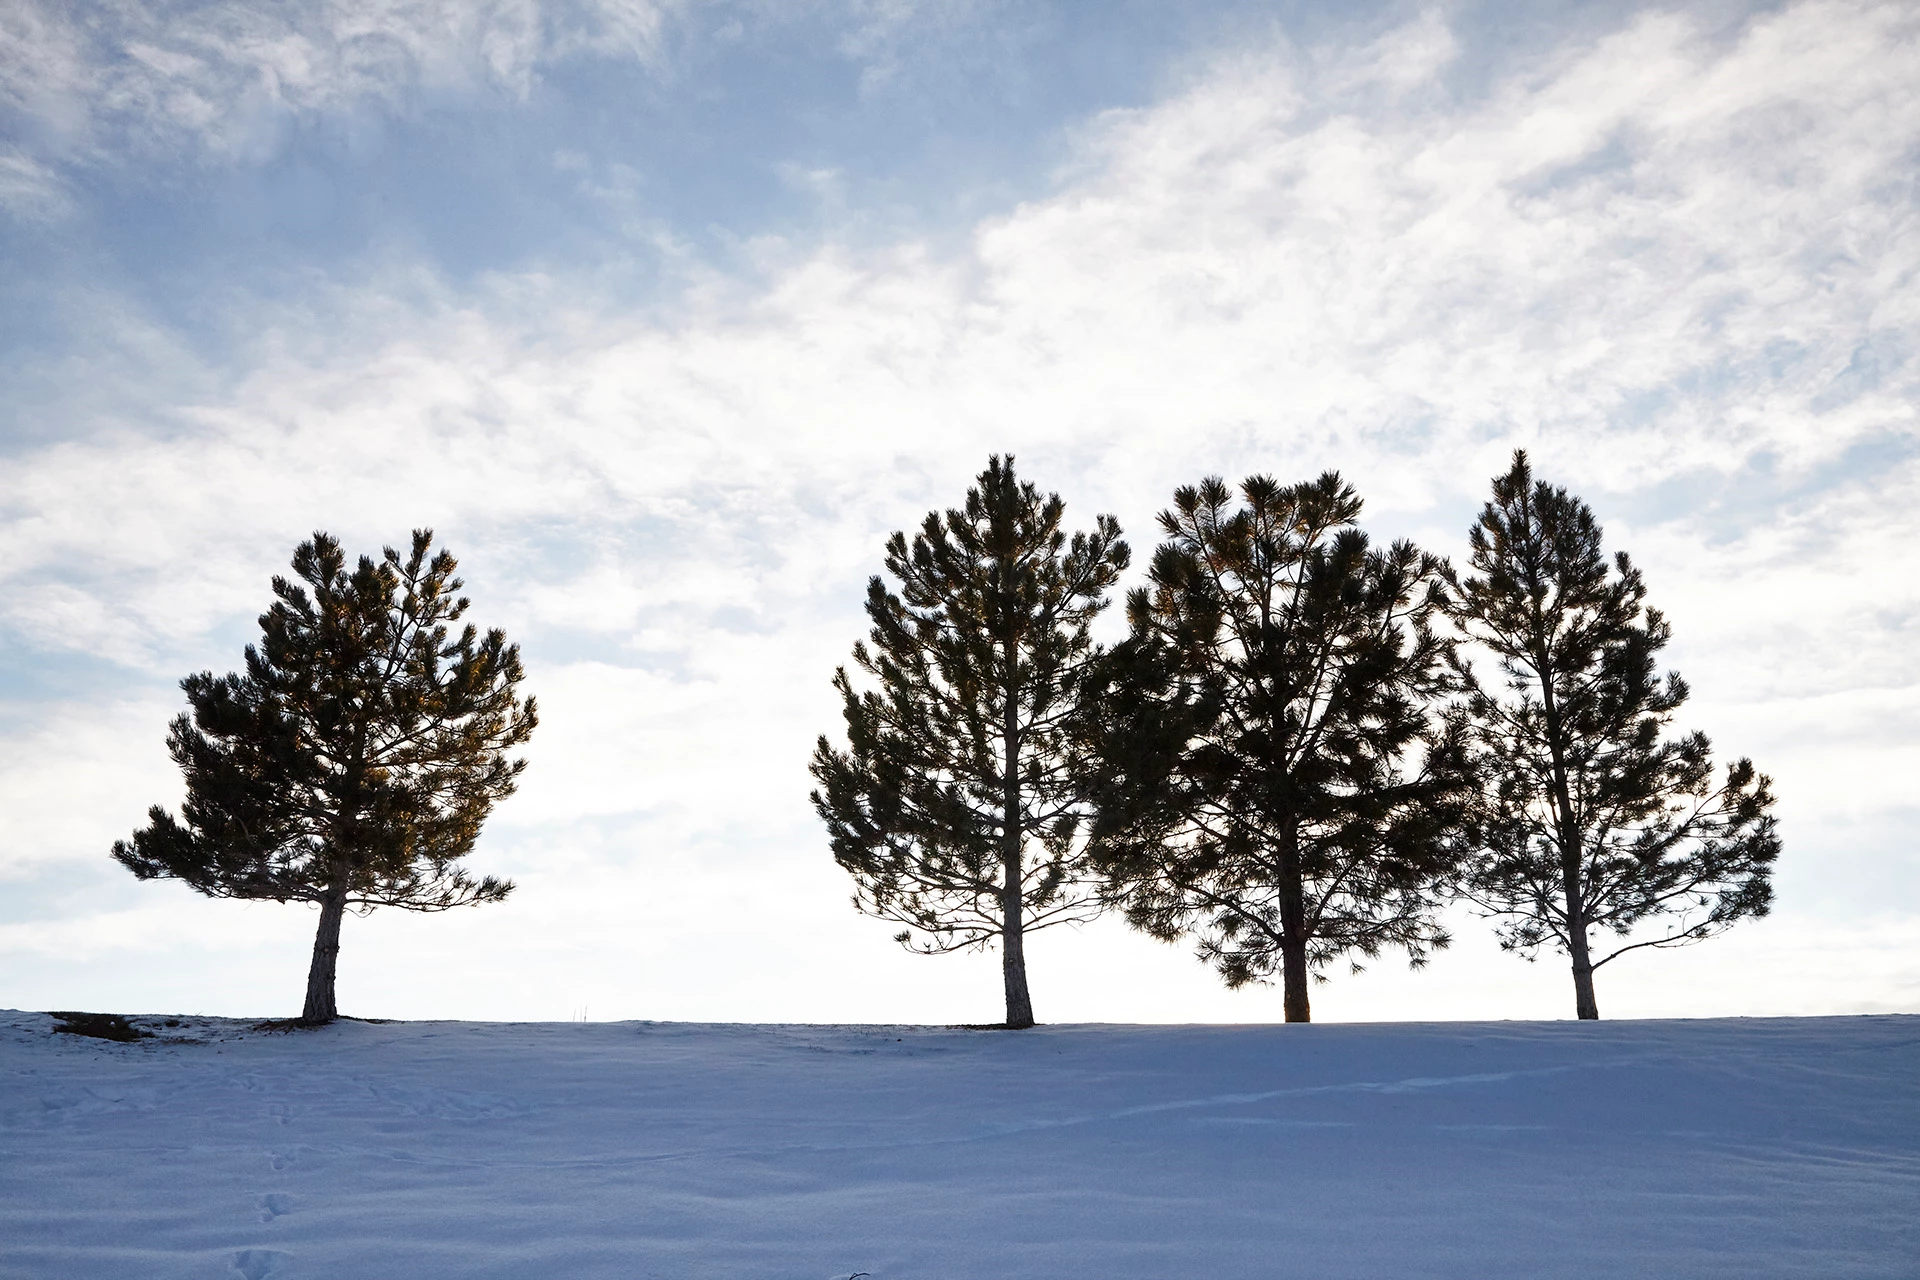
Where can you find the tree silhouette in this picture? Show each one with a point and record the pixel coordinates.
(1593, 820)
(1280, 780)
(959, 803)
(354, 762)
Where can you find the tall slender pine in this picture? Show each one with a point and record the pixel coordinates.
(353, 764)
(958, 805)
(1281, 778)
(1594, 821)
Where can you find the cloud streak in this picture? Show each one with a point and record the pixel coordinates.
(115, 80)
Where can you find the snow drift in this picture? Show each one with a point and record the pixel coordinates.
(1735, 1148)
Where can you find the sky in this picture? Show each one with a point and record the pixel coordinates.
(664, 315)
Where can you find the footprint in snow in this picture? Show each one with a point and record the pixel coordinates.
(257, 1264)
(281, 1160)
(273, 1205)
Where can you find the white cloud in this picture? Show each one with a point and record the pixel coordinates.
(30, 189)
(119, 77)
(1655, 258)
(70, 773)
(894, 39)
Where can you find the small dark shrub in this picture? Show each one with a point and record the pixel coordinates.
(101, 1026)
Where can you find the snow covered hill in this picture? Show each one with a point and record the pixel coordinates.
(1750, 1148)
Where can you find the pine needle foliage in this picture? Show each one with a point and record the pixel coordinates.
(959, 804)
(1594, 820)
(1282, 781)
(354, 761)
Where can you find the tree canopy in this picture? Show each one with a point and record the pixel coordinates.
(1593, 819)
(960, 801)
(354, 761)
(1281, 781)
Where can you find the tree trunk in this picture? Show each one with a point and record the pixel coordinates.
(1013, 941)
(320, 1008)
(1571, 890)
(1293, 930)
(1568, 836)
(1293, 978)
(1013, 952)
(1584, 1005)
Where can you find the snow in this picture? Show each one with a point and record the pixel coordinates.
(1736, 1148)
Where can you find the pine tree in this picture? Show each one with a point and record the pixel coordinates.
(354, 762)
(958, 806)
(1594, 821)
(1280, 779)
